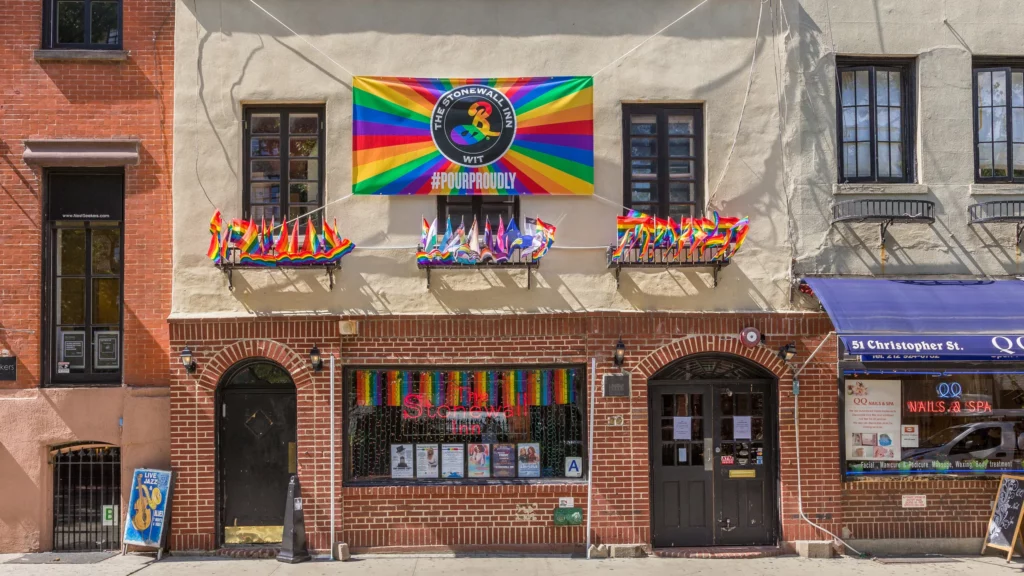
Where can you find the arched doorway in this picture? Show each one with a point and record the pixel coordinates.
(714, 446)
(256, 451)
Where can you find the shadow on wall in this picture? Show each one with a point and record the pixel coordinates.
(18, 504)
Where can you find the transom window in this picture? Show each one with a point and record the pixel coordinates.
(284, 151)
(999, 124)
(663, 157)
(482, 208)
(84, 277)
(89, 24)
(875, 136)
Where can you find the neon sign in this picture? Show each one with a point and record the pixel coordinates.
(943, 407)
(949, 390)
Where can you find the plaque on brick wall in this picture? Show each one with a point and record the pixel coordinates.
(616, 385)
(8, 368)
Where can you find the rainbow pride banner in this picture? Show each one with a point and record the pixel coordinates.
(473, 136)
(523, 387)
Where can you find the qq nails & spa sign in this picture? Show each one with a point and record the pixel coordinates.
(873, 420)
(949, 347)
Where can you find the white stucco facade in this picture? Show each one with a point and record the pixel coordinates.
(777, 166)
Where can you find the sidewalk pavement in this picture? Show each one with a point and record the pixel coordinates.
(440, 565)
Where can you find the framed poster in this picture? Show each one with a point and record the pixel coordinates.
(479, 461)
(147, 508)
(107, 353)
(529, 460)
(427, 460)
(503, 460)
(453, 461)
(402, 461)
(477, 136)
(72, 350)
(873, 414)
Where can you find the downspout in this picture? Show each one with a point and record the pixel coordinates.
(590, 450)
(334, 498)
(796, 421)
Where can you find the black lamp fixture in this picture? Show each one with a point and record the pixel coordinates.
(620, 354)
(787, 352)
(188, 361)
(315, 360)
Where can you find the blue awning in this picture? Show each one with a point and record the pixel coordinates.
(882, 319)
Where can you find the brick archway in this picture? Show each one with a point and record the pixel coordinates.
(760, 355)
(296, 364)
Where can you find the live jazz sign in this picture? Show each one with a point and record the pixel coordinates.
(950, 347)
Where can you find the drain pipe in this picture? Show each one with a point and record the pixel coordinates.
(590, 450)
(334, 497)
(796, 420)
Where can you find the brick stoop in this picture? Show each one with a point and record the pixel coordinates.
(259, 552)
(721, 552)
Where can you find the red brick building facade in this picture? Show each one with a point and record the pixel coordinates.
(81, 109)
(519, 516)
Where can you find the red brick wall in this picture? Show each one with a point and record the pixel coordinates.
(79, 99)
(956, 508)
(463, 516)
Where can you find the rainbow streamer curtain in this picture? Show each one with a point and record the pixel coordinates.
(540, 387)
(451, 136)
(261, 245)
(687, 236)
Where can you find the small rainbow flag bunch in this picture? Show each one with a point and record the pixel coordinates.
(259, 245)
(636, 230)
(471, 248)
(468, 388)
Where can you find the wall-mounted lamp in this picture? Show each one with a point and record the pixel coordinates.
(315, 361)
(620, 354)
(787, 352)
(188, 361)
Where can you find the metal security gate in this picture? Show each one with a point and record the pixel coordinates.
(86, 498)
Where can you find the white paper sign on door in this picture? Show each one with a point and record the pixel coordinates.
(741, 427)
(682, 428)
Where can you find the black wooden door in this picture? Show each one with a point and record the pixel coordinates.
(744, 464)
(713, 478)
(257, 451)
(682, 473)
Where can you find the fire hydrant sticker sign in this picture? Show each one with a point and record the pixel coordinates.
(473, 136)
(873, 430)
(147, 508)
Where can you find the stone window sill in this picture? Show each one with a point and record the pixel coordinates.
(997, 189)
(879, 189)
(53, 54)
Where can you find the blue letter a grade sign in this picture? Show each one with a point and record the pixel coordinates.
(573, 467)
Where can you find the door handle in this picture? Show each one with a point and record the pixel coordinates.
(709, 457)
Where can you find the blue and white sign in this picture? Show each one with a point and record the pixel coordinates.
(147, 507)
(953, 347)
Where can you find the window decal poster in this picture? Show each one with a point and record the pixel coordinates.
(147, 508)
(473, 136)
(504, 460)
(873, 429)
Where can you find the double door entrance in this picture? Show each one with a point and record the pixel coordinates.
(713, 463)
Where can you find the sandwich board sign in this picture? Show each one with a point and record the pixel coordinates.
(148, 509)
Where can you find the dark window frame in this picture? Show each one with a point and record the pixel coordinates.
(346, 392)
(1011, 65)
(477, 205)
(698, 155)
(284, 110)
(50, 28)
(908, 117)
(48, 324)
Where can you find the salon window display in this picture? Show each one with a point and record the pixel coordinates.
(962, 424)
(462, 425)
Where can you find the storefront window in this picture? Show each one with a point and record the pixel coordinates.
(968, 424)
(458, 425)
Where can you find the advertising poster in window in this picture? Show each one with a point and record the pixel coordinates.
(504, 460)
(453, 460)
(108, 350)
(529, 460)
(402, 461)
(427, 461)
(473, 136)
(479, 461)
(873, 410)
(72, 350)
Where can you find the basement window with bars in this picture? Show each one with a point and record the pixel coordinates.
(464, 425)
